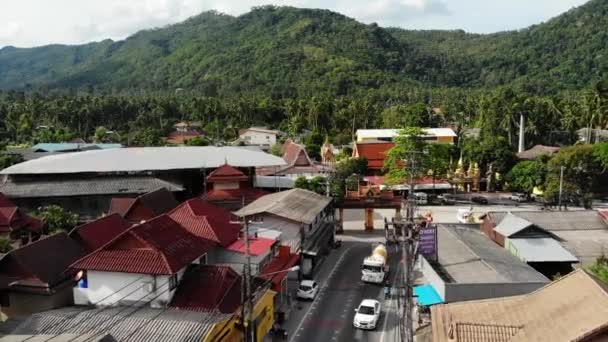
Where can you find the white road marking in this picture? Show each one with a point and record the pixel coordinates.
(331, 274)
(390, 306)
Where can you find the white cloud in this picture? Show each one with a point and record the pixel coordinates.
(36, 22)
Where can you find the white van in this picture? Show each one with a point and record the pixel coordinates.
(421, 198)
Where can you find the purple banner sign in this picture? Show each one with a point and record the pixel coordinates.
(427, 243)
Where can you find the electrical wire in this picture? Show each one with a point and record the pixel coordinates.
(96, 303)
(110, 306)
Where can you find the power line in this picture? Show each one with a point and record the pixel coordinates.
(96, 303)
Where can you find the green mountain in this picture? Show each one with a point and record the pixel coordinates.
(286, 51)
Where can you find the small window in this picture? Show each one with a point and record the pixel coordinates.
(173, 282)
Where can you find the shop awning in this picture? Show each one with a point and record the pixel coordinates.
(427, 295)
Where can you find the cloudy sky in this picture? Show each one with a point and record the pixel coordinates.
(26, 23)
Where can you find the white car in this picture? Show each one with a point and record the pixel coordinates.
(518, 197)
(308, 289)
(367, 314)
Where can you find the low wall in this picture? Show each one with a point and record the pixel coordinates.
(464, 292)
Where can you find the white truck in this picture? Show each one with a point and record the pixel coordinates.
(375, 267)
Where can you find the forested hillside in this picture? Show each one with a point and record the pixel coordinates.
(289, 52)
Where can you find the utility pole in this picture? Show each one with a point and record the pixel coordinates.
(408, 254)
(561, 185)
(250, 331)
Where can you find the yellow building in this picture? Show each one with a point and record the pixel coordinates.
(231, 330)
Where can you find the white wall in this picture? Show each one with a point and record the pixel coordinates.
(259, 138)
(114, 288)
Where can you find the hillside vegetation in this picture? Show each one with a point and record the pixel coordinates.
(289, 52)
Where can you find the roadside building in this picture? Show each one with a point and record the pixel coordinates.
(143, 264)
(36, 277)
(85, 182)
(258, 136)
(143, 207)
(469, 266)
(375, 152)
(572, 308)
(304, 218)
(298, 164)
(96, 234)
(16, 224)
(532, 244)
(583, 233)
(229, 187)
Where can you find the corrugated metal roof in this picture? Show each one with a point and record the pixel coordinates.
(138, 159)
(298, 205)
(541, 250)
(256, 246)
(60, 147)
(470, 257)
(390, 133)
(569, 309)
(85, 186)
(125, 324)
(581, 220)
(511, 225)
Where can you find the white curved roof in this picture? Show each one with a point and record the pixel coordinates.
(137, 159)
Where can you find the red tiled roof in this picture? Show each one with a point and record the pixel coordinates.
(207, 221)
(375, 153)
(209, 288)
(13, 219)
(45, 261)
(257, 246)
(226, 173)
(151, 204)
(295, 154)
(159, 246)
(96, 234)
(121, 206)
(250, 194)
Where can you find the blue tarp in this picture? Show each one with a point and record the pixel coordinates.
(427, 295)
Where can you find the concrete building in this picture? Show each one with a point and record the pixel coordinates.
(37, 277)
(470, 267)
(144, 264)
(304, 218)
(258, 136)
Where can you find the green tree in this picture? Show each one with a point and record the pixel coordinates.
(408, 157)
(437, 160)
(526, 175)
(399, 116)
(581, 173)
(600, 268)
(317, 184)
(302, 183)
(56, 219)
(275, 150)
(198, 141)
(7, 160)
(5, 245)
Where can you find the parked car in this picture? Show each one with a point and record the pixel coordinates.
(518, 197)
(367, 314)
(308, 289)
(446, 199)
(479, 200)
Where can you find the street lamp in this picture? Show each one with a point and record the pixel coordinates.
(291, 269)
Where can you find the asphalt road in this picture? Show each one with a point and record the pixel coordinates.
(329, 317)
